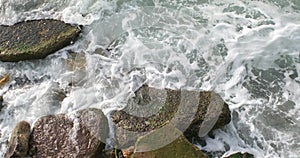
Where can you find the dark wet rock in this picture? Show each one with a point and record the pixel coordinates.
(54, 96)
(1, 102)
(240, 155)
(35, 39)
(111, 153)
(18, 144)
(58, 94)
(194, 113)
(80, 134)
(212, 110)
(103, 52)
(166, 142)
(21, 81)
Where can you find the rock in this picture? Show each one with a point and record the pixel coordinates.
(194, 113)
(169, 146)
(4, 79)
(240, 155)
(76, 61)
(76, 64)
(19, 140)
(35, 39)
(212, 110)
(1, 103)
(127, 153)
(111, 153)
(80, 134)
(102, 52)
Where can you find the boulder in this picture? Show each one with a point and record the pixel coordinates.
(162, 143)
(35, 39)
(212, 110)
(194, 113)
(80, 134)
(18, 145)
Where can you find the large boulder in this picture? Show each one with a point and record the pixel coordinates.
(194, 113)
(35, 39)
(161, 143)
(18, 145)
(79, 134)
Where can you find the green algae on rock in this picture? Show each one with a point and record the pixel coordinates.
(35, 39)
(179, 147)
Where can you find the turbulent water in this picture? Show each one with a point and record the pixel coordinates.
(247, 51)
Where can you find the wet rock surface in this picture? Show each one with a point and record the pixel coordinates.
(35, 39)
(18, 143)
(1, 103)
(194, 113)
(179, 146)
(80, 134)
(212, 110)
(240, 155)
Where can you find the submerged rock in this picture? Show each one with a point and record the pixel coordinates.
(76, 64)
(194, 113)
(77, 135)
(1, 103)
(18, 144)
(35, 39)
(146, 146)
(111, 153)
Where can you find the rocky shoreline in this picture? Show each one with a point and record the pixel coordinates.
(165, 123)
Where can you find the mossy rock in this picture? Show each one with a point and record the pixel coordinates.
(162, 144)
(35, 39)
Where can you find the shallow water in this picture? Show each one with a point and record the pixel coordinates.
(247, 51)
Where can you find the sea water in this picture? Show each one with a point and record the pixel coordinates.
(246, 51)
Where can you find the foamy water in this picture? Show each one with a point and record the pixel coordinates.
(247, 51)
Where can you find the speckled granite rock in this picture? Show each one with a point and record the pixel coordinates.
(77, 135)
